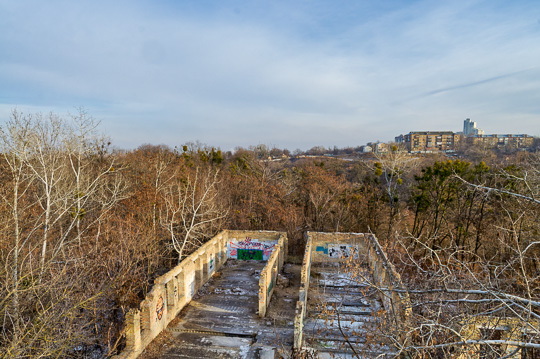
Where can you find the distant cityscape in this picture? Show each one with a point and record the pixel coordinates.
(448, 141)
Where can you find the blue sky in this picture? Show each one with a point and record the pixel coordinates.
(288, 73)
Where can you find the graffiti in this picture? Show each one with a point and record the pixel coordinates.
(249, 254)
(175, 291)
(342, 250)
(322, 249)
(250, 249)
(160, 307)
(270, 287)
(211, 265)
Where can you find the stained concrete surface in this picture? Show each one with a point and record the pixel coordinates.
(222, 320)
(343, 314)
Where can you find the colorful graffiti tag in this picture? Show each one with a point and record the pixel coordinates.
(342, 250)
(160, 307)
(250, 249)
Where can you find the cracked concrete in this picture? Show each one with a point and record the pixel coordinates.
(222, 321)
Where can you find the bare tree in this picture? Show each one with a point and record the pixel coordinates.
(391, 166)
(52, 179)
(192, 209)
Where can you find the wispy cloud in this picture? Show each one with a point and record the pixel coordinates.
(476, 83)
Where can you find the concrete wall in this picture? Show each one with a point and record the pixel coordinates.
(269, 274)
(253, 243)
(175, 289)
(396, 303)
(301, 305)
(331, 247)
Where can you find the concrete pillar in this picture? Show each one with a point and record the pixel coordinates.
(181, 284)
(199, 273)
(217, 263)
(205, 261)
(262, 294)
(145, 316)
(299, 325)
(133, 330)
(172, 292)
(190, 278)
(224, 251)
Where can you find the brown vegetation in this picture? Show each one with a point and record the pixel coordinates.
(84, 229)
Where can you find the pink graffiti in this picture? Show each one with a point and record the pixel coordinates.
(248, 243)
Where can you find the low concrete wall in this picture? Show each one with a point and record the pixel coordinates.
(303, 295)
(396, 303)
(269, 274)
(175, 289)
(171, 293)
(332, 247)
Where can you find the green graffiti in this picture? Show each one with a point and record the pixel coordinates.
(250, 254)
(270, 287)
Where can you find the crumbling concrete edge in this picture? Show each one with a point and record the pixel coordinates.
(268, 278)
(301, 305)
(171, 293)
(174, 290)
(393, 292)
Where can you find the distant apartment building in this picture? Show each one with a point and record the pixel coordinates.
(430, 141)
(495, 140)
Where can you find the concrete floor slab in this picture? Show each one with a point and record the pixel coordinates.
(222, 320)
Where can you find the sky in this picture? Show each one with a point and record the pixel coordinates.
(285, 73)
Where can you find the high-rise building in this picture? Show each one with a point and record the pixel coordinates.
(469, 128)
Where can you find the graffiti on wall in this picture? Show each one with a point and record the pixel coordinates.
(211, 265)
(323, 249)
(250, 249)
(342, 250)
(160, 307)
(270, 287)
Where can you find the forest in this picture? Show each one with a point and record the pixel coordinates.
(86, 227)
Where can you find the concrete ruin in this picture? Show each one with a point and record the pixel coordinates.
(328, 290)
(231, 314)
(176, 288)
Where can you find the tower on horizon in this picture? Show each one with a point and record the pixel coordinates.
(469, 128)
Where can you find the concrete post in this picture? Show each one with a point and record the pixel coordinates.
(224, 250)
(299, 325)
(217, 263)
(181, 283)
(172, 292)
(205, 264)
(133, 330)
(262, 294)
